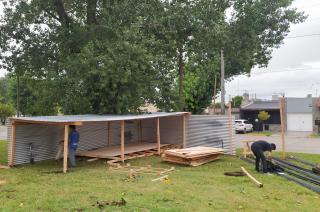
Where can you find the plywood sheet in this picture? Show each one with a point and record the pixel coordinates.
(115, 150)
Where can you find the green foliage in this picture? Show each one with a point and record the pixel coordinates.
(263, 116)
(115, 56)
(236, 101)
(6, 111)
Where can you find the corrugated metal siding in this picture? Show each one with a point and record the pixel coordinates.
(201, 131)
(45, 138)
(211, 131)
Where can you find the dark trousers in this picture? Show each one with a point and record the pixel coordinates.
(258, 153)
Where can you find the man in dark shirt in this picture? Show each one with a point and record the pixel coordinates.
(73, 144)
(258, 148)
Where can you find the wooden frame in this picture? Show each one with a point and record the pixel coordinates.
(109, 133)
(13, 140)
(110, 136)
(230, 124)
(184, 131)
(122, 140)
(158, 136)
(281, 106)
(65, 148)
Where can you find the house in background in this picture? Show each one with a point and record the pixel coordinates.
(251, 110)
(300, 114)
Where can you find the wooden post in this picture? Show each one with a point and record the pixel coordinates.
(65, 148)
(122, 140)
(230, 124)
(184, 131)
(281, 105)
(140, 131)
(158, 136)
(109, 137)
(13, 141)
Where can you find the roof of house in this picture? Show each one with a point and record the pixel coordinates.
(92, 118)
(262, 105)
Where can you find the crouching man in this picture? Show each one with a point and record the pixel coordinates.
(258, 148)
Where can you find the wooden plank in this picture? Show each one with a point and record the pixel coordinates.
(65, 148)
(114, 150)
(108, 136)
(158, 136)
(281, 105)
(183, 131)
(122, 140)
(21, 122)
(12, 145)
(230, 125)
(260, 185)
(140, 131)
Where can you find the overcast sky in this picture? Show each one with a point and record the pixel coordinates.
(294, 68)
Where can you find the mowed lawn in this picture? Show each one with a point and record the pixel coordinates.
(39, 188)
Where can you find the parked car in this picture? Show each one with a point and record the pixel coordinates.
(242, 125)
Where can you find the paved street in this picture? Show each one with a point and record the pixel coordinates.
(3, 132)
(295, 141)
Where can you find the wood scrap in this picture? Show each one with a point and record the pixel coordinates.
(194, 156)
(4, 167)
(260, 185)
(160, 178)
(93, 159)
(2, 182)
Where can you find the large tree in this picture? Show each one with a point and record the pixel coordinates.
(112, 56)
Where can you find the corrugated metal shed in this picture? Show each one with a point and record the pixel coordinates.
(43, 140)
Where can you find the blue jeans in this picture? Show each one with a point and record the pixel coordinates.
(72, 157)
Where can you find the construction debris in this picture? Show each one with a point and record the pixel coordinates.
(102, 204)
(235, 174)
(260, 185)
(194, 156)
(4, 167)
(161, 178)
(134, 171)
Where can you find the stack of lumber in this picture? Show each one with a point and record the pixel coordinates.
(194, 156)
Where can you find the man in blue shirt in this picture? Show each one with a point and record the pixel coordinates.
(73, 144)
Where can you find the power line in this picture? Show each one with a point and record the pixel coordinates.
(302, 36)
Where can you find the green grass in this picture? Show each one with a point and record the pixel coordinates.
(314, 136)
(260, 133)
(204, 188)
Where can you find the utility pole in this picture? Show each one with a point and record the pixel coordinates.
(18, 94)
(222, 84)
(214, 94)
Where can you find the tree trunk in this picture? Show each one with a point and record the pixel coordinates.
(181, 79)
(63, 16)
(91, 12)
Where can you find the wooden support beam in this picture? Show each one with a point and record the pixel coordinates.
(13, 141)
(281, 106)
(65, 148)
(230, 124)
(109, 137)
(122, 140)
(139, 131)
(158, 136)
(184, 131)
